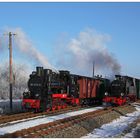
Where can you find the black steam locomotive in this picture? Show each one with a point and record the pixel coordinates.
(123, 89)
(48, 90)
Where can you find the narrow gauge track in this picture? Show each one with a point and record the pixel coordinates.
(30, 115)
(42, 130)
(5, 119)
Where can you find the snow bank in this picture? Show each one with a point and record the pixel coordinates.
(134, 133)
(115, 127)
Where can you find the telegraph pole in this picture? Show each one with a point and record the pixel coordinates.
(93, 68)
(10, 70)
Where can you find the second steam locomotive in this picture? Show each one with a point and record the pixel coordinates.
(48, 90)
(123, 89)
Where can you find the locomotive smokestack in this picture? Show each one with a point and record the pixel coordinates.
(39, 71)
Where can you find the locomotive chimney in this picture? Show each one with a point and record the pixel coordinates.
(39, 71)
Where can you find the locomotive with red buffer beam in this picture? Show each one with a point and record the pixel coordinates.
(123, 89)
(48, 90)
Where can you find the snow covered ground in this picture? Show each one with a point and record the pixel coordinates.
(5, 106)
(115, 127)
(31, 123)
(134, 133)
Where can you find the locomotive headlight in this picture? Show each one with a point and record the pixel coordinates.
(26, 94)
(106, 93)
(122, 94)
(29, 93)
(26, 90)
(36, 95)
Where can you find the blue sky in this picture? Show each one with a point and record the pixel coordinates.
(46, 23)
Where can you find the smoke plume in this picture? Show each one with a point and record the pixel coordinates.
(21, 68)
(24, 45)
(88, 47)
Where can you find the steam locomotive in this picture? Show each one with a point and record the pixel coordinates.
(122, 90)
(48, 90)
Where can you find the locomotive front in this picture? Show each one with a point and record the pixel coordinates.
(118, 88)
(123, 90)
(117, 92)
(37, 89)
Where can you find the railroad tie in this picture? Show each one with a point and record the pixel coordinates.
(119, 112)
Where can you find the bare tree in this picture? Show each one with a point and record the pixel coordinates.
(20, 77)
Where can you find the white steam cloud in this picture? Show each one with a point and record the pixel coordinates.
(24, 45)
(21, 70)
(88, 47)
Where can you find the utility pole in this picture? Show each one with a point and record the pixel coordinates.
(10, 70)
(93, 68)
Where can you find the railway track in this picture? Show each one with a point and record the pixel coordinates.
(43, 130)
(6, 119)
